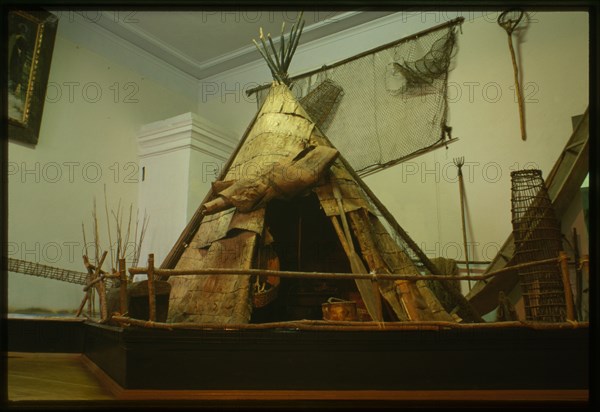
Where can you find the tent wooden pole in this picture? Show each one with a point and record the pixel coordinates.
(340, 234)
(464, 304)
(368, 291)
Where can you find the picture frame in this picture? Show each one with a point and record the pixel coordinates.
(31, 35)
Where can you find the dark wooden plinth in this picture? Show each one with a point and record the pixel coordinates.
(49, 335)
(501, 359)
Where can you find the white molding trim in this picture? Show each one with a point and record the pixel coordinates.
(186, 131)
(204, 69)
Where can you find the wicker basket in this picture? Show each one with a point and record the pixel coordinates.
(537, 236)
(261, 299)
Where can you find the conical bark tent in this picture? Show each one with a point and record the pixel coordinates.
(267, 168)
(288, 201)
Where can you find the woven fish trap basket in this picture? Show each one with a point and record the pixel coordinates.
(537, 236)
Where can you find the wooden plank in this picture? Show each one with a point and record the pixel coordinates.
(51, 377)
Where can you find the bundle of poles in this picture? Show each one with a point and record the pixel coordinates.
(279, 61)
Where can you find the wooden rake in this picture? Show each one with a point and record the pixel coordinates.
(459, 162)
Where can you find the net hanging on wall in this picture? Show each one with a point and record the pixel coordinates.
(384, 105)
(537, 235)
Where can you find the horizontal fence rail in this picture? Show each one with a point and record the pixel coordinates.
(321, 275)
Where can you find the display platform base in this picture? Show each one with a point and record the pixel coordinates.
(472, 359)
(551, 364)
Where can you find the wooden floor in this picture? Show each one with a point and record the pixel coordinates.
(52, 377)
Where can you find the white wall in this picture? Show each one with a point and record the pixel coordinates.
(423, 193)
(86, 141)
(46, 211)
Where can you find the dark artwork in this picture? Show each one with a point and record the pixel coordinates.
(30, 42)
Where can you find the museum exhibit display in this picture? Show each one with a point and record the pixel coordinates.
(292, 278)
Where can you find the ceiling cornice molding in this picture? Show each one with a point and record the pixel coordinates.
(152, 45)
(408, 18)
(98, 39)
(229, 60)
(313, 30)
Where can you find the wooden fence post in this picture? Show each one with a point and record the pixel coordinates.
(123, 287)
(564, 266)
(151, 296)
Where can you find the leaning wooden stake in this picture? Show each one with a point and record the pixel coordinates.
(564, 266)
(463, 303)
(151, 295)
(369, 290)
(82, 304)
(98, 283)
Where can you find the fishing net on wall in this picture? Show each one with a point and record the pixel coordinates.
(385, 105)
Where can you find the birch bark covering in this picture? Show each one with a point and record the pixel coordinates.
(228, 238)
(283, 181)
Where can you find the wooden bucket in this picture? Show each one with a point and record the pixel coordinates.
(339, 309)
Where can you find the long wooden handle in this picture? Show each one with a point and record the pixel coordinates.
(517, 87)
(464, 228)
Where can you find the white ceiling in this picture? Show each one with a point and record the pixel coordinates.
(204, 43)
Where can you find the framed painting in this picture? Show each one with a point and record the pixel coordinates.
(31, 35)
